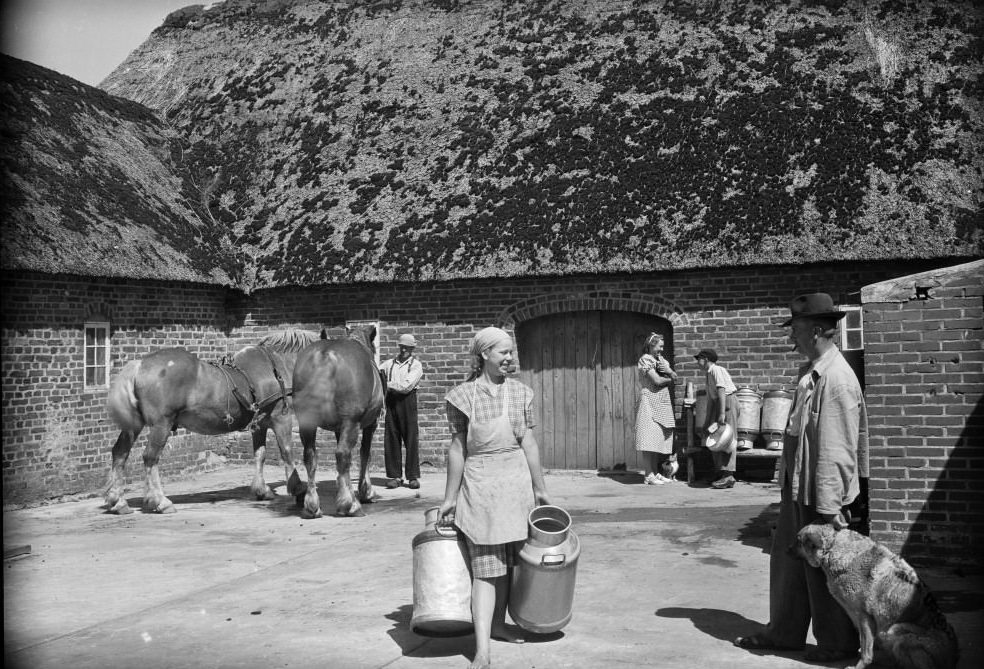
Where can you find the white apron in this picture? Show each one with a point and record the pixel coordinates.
(496, 493)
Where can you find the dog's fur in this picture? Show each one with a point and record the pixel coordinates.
(669, 467)
(883, 596)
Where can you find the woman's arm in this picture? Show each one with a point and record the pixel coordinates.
(658, 380)
(665, 369)
(532, 451)
(456, 467)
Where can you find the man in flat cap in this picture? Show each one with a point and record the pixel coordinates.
(403, 374)
(825, 454)
(722, 407)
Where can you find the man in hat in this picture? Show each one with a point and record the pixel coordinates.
(722, 407)
(825, 454)
(403, 374)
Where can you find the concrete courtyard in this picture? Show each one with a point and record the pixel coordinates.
(667, 576)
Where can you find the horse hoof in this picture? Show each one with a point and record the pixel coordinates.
(265, 495)
(120, 508)
(309, 515)
(352, 511)
(163, 507)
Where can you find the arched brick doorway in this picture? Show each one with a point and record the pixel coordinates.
(581, 366)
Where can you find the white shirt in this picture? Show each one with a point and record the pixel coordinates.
(403, 377)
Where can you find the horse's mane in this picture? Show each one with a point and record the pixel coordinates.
(289, 341)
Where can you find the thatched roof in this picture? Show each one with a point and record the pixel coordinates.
(443, 139)
(328, 142)
(90, 186)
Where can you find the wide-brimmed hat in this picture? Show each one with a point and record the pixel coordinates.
(708, 353)
(813, 305)
(407, 340)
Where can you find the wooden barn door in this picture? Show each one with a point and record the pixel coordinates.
(581, 366)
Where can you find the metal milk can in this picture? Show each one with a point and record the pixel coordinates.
(441, 580)
(776, 405)
(542, 593)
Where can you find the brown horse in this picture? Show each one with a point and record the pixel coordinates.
(337, 387)
(173, 388)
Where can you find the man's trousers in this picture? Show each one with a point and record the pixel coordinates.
(401, 430)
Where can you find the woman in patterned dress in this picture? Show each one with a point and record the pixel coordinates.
(494, 480)
(654, 418)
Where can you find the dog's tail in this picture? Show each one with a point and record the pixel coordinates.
(913, 646)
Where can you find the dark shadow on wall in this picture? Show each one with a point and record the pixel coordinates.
(950, 522)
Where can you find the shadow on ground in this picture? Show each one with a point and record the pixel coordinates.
(415, 645)
(283, 505)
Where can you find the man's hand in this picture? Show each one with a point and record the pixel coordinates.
(837, 520)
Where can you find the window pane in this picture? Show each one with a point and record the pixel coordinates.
(854, 339)
(96, 354)
(853, 318)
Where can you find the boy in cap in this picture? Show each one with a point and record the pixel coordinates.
(722, 407)
(825, 454)
(403, 374)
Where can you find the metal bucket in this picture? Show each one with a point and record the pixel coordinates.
(720, 438)
(542, 594)
(776, 405)
(441, 580)
(749, 418)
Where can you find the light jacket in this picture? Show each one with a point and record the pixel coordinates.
(826, 454)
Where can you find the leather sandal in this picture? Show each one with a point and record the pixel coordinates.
(759, 642)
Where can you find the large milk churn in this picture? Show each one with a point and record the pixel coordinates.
(749, 418)
(776, 405)
(542, 592)
(441, 580)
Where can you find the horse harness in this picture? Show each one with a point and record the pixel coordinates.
(257, 408)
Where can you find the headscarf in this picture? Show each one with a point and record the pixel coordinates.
(482, 341)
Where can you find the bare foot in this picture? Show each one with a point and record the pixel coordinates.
(480, 662)
(507, 635)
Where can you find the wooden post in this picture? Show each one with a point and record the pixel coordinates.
(689, 400)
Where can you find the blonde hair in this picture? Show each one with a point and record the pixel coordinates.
(650, 340)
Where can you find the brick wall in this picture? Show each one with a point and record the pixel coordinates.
(57, 437)
(735, 312)
(56, 434)
(925, 390)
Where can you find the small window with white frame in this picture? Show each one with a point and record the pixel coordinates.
(851, 329)
(96, 355)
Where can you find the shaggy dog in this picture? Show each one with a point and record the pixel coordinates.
(883, 596)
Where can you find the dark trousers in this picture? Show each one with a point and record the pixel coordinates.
(401, 429)
(798, 593)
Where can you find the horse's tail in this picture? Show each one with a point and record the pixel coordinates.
(122, 402)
